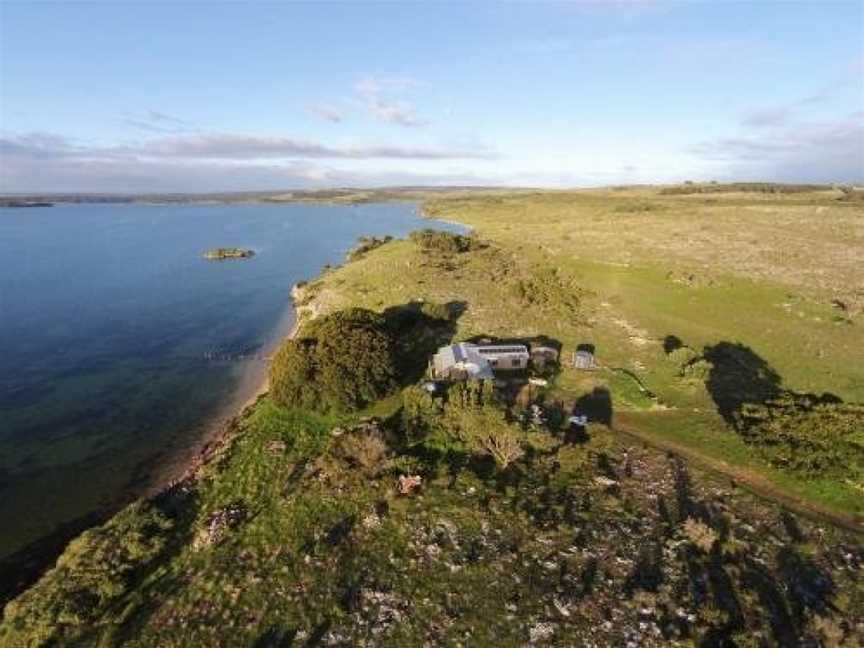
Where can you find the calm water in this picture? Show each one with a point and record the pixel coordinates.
(117, 340)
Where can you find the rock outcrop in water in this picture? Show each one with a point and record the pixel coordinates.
(219, 254)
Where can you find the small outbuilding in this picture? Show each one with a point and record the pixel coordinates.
(584, 359)
(543, 355)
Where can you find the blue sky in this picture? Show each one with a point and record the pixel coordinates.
(208, 96)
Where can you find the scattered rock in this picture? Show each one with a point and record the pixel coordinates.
(541, 632)
(407, 484)
(218, 525)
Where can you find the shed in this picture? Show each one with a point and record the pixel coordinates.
(583, 359)
(543, 355)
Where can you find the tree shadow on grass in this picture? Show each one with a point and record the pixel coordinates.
(420, 328)
(597, 406)
(739, 376)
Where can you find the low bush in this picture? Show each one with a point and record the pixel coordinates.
(438, 241)
(364, 449)
(547, 289)
(807, 434)
(420, 412)
(734, 187)
(366, 244)
(339, 362)
(485, 431)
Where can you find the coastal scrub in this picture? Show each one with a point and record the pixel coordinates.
(340, 362)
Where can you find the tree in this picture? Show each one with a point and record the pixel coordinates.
(484, 429)
(339, 362)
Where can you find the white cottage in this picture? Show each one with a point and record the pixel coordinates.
(466, 361)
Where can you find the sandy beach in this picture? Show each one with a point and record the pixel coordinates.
(253, 384)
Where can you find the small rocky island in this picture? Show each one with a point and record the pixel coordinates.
(219, 254)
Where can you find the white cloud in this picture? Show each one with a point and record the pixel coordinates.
(793, 151)
(326, 112)
(154, 121)
(377, 97)
(224, 146)
(770, 117)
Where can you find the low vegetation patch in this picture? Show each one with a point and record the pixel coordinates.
(80, 594)
(811, 435)
(442, 242)
(548, 289)
(366, 244)
(735, 187)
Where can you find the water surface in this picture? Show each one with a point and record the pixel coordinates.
(118, 341)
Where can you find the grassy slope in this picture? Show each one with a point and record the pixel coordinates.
(640, 290)
(327, 550)
(329, 554)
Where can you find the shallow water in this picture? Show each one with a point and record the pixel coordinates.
(117, 340)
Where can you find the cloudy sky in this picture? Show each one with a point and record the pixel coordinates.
(210, 96)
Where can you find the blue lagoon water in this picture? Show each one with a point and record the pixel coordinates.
(118, 341)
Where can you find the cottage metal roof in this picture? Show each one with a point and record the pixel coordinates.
(474, 359)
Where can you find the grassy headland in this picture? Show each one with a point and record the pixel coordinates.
(724, 324)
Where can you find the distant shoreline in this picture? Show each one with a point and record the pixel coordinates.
(316, 196)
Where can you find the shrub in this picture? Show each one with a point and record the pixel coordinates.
(547, 289)
(419, 412)
(437, 241)
(700, 534)
(754, 187)
(366, 244)
(481, 426)
(363, 448)
(340, 362)
(807, 434)
(470, 395)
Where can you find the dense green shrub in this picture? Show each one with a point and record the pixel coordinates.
(471, 419)
(545, 288)
(339, 362)
(470, 395)
(806, 434)
(438, 241)
(420, 412)
(484, 430)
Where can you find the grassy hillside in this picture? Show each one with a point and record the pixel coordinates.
(649, 269)
(312, 529)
